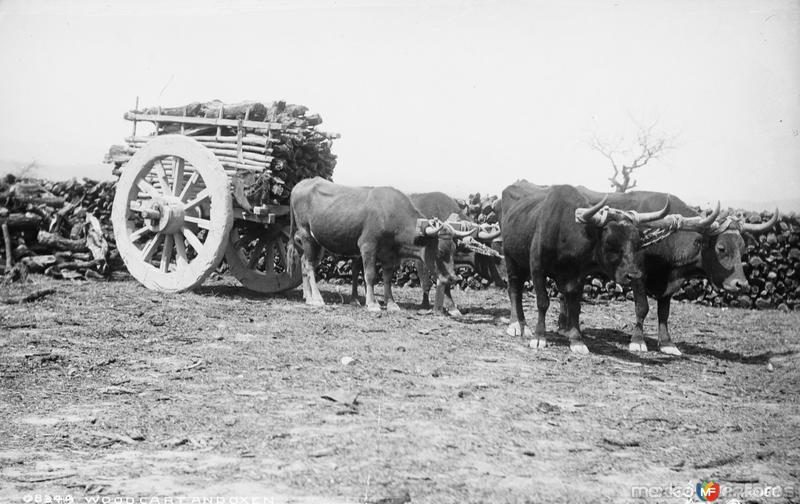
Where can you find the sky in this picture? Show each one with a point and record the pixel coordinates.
(457, 96)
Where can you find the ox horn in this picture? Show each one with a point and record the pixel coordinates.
(702, 223)
(586, 215)
(677, 221)
(653, 216)
(760, 228)
(434, 226)
(485, 235)
(457, 233)
(706, 222)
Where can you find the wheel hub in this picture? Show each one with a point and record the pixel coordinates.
(165, 216)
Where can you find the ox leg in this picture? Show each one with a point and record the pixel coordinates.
(494, 271)
(572, 300)
(642, 308)
(357, 267)
(370, 274)
(562, 316)
(450, 305)
(665, 344)
(388, 272)
(424, 282)
(516, 282)
(542, 304)
(311, 256)
(438, 301)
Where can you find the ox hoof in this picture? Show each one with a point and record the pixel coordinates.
(392, 307)
(355, 302)
(514, 329)
(454, 312)
(315, 302)
(637, 346)
(562, 331)
(578, 348)
(670, 350)
(375, 308)
(538, 343)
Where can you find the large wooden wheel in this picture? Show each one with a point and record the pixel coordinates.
(172, 213)
(258, 258)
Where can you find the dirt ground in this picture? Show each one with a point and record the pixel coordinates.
(110, 390)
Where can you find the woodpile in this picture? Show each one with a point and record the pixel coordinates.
(481, 209)
(279, 146)
(771, 265)
(63, 229)
(60, 229)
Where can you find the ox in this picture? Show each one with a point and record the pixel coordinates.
(700, 246)
(441, 206)
(438, 205)
(375, 223)
(557, 233)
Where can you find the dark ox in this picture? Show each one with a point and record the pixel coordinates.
(375, 223)
(438, 205)
(701, 246)
(558, 233)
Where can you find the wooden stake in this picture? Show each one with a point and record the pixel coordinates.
(7, 241)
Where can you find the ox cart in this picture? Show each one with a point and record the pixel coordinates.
(184, 197)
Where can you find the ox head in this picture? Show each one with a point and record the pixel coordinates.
(721, 244)
(441, 252)
(620, 240)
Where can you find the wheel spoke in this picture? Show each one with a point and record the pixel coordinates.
(136, 235)
(203, 223)
(150, 248)
(189, 185)
(177, 175)
(282, 252)
(166, 253)
(148, 188)
(255, 255)
(269, 262)
(201, 196)
(193, 240)
(161, 176)
(180, 247)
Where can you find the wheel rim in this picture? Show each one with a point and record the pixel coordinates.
(172, 213)
(259, 260)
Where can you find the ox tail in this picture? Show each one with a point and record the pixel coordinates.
(292, 256)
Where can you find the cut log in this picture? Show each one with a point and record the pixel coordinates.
(57, 242)
(20, 221)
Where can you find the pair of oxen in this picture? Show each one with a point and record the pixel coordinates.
(652, 241)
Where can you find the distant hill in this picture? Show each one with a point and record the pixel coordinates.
(97, 171)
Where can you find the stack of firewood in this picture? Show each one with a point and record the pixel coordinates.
(771, 266)
(61, 229)
(271, 162)
(481, 209)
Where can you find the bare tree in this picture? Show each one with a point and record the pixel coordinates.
(649, 145)
(29, 170)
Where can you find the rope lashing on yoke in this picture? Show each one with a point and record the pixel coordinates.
(649, 236)
(474, 245)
